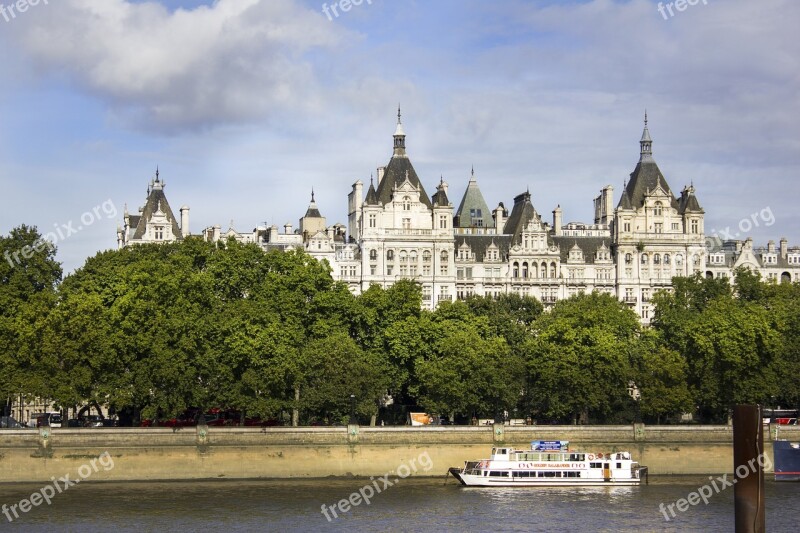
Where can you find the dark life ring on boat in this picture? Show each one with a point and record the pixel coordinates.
(599, 455)
(590, 457)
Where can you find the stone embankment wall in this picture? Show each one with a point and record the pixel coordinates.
(250, 453)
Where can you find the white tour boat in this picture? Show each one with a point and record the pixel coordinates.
(550, 464)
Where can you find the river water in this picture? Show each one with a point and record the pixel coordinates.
(413, 504)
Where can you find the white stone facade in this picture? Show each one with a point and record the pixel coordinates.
(395, 231)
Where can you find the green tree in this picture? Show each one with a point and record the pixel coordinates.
(579, 360)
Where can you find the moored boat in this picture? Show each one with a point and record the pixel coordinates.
(550, 464)
(787, 460)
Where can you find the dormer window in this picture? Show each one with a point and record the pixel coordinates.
(406, 203)
(657, 209)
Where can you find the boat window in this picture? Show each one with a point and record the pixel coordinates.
(619, 465)
(494, 451)
(595, 465)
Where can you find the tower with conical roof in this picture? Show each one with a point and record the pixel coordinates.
(155, 221)
(312, 222)
(473, 212)
(401, 231)
(656, 235)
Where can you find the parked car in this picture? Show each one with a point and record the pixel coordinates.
(91, 421)
(53, 420)
(7, 422)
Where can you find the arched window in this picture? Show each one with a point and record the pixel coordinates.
(552, 270)
(657, 209)
(525, 269)
(390, 255)
(666, 259)
(516, 270)
(444, 256)
(679, 259)
(534, 270)
(644, 259)
(373, 255)
(628, 259)
(656, 259)
(426, 256)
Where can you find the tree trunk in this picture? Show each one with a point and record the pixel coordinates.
(295, 410)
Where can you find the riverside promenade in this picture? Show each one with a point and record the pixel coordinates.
(286, 452)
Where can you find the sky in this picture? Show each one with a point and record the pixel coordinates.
(245, 106)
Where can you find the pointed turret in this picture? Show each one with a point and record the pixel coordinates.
(473, 210)
(372, 196)
(646, 177)
(399, 137)
(399, 170)
(646, 143)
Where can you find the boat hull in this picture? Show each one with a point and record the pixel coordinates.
(787, 460)
(470, 480)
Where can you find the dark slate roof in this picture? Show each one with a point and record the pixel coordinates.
(395, 175)
(646, 177)
(156, 196)
(625, 201)
(134, 220)
(440, 198)
(589, 246)
(522, 213)
(372, 196)
(473, 200)
(688, 202)
(312, 211)
(481, 243)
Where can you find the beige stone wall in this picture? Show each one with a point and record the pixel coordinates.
(247, 453)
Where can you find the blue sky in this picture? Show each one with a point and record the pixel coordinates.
(246, 105)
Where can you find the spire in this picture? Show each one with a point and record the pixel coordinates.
(312, 194)
(156, 173)
(646, 143)
(472, 175)
(399, 136)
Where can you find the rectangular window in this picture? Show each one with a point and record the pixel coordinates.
(695, 227)
(406, 223)
(658, 227)
(626, 226)
(373, 221)
(443, 222)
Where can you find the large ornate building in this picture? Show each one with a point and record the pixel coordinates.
(396, 230)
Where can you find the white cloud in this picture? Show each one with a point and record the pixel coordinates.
(236, 61)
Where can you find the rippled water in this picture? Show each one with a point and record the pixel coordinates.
(410, 505)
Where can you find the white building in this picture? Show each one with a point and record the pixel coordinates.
(395, 231)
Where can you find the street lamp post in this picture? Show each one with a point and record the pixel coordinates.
(353, 419)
